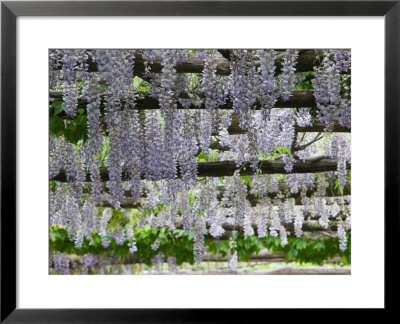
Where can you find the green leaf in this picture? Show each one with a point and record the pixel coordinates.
(213, 156)
(56, 125)
(247, 180)
(81, 120)
(247, 245)
(319, 246)
(336, 184)
(78, 131)
(53, 184)
(57, 107)
(201, 157)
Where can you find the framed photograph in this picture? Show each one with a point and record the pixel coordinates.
(160, 159)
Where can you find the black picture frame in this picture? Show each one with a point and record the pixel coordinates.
(10, 10)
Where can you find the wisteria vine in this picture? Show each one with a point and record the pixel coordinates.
(159, 149)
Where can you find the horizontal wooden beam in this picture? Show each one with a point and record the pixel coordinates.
(308, 226)
(243, 271)
(194, 64)
(309, 271)
(234, 128)
(300, 98)
(227, 168)
(129, 203)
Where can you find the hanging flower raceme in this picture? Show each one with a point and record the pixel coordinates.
(209, 80)
(287, 79)
(268, 83)
(243, 84)
(328, 82)
(154, 141)
(72, 62)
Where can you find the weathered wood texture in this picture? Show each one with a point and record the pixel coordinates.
(300, 98)
(194, 64)
(310, 271)
(227, 168)
(234, 128)
(128, 202)
(308, 226)
(284, 271)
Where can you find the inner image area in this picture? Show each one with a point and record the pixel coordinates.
(199, 161)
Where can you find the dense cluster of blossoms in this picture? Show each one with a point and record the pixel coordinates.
(66, 264)
(332, 88)
(156, 150)
(210, 206)
(339, 148)
(59, 263)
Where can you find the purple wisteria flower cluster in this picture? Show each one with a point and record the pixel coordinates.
(149, 123)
